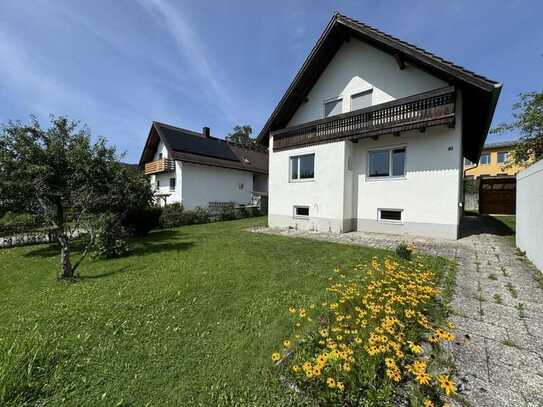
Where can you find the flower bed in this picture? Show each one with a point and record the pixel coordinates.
(376, 340)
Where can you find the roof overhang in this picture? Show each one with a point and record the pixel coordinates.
(480, 94)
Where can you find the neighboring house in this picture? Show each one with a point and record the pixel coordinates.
(491, 184)
(196, 169)
(494, 161)
(371, 136)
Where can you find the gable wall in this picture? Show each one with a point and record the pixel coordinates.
(358, 67)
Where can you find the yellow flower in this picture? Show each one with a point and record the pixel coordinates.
(416, 349)
(340, 386)
(323, 333)
(423, 378)
(346, 367)
(292, 310)
(295, 368)
(446, 384)
(302, 313)
(287, 344)
(428, 403)
(276, 356)
(393, 374)
(451, 325)
(331, 382)
(357, 340)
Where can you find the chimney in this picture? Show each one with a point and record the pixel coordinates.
(205, 132)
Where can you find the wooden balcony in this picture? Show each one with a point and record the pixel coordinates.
(427, 109)
(162, 165)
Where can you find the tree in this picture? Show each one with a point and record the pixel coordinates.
(59, 175)
(528, 120)
(241, 135)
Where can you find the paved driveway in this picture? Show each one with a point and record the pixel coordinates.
(498, 309)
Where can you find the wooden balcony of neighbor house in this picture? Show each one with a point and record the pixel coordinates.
(419, 111)
(162, 165)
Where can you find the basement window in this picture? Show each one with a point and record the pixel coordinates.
(301, 211)
(390, 215)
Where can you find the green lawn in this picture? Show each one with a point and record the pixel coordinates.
(190, 317)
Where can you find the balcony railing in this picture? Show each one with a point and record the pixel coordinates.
(162, 165)
(427, 109)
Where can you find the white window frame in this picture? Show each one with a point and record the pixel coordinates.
(498, 156)
(489, 159)
(290, 179)
(340, 98)
(390, 176)
(397, 222)
(296, 216)
(175, 184)
(370, 90)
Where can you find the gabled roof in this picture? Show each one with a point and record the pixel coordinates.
(480, 93)
(190, 146)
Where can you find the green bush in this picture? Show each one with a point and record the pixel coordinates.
(227, 212)
(139, 222)
(172, 215)
(28, 369)
(403, 251)
(110, 241)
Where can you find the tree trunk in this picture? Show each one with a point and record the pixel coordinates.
(66, 271)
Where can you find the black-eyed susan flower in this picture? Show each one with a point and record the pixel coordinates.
(446, 384)
(276, 356)
(330, 382)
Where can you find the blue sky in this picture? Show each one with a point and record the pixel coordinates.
(118, 65)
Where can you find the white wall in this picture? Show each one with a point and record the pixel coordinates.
(161, 148)
(358, 67)
(429, 191)
(164, 178)
(529, 227)
(323, 194)
(203, 184)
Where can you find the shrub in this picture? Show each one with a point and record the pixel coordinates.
(227, 212)
(172, 215)
(139, 222)
(374, 340)
(28, 368)
(403, 251)
(110, 241)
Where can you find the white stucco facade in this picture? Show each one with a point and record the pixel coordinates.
(529, 228)
(341, 197)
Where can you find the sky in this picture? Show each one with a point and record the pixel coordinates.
(118, 65)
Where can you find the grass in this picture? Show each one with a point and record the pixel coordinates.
(190, 317)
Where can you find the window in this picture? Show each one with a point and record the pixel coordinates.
(361, 100)
(333, 107)
(172, 184)
(387, 163)
(301, 211)
(502, 156)
(157, 184)
(485, 159)
(390, 215)
(302, 167)
(160, 156)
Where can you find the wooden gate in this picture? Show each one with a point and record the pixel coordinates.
(498, 195)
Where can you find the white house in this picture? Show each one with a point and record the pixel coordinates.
(371, 135)
(196, 169)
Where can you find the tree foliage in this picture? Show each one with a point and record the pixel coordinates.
(241, 135)
(61, 176)
(528, 121)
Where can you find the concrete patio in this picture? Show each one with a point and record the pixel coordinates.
(497, 307)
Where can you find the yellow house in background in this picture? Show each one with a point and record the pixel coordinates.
(493, 161)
